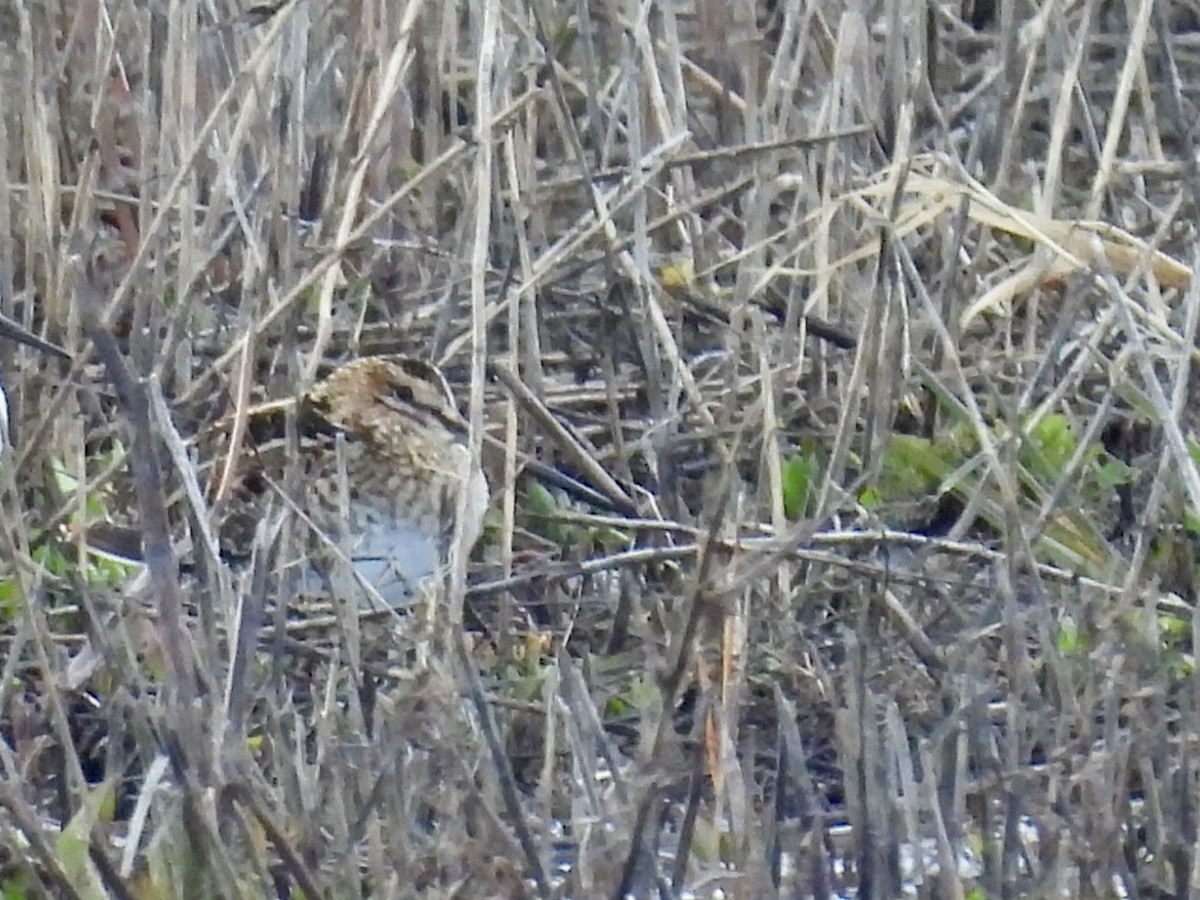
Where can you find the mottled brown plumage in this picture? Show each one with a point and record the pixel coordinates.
(382, 460)
(376, 483)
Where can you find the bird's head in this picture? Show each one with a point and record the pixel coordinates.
(387, 399)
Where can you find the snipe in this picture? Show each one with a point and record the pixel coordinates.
(382, 462)
(376, 481)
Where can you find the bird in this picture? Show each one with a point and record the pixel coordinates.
(382, 463)
(383, 460)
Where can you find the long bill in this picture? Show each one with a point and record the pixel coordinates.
(11, 330)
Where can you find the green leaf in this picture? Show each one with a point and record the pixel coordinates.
(1173, 628)
(1191, 523)
(915, 466)
(72, 843)
(800, 471)
(869, 498)
(1112, 473)
(1054, 437)
(17, 887)
(9, 603)
(1069, 639)
(541, 506)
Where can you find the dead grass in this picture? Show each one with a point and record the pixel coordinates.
(907, 607)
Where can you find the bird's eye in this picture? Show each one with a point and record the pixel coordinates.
(415, 368)
(403, 392)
